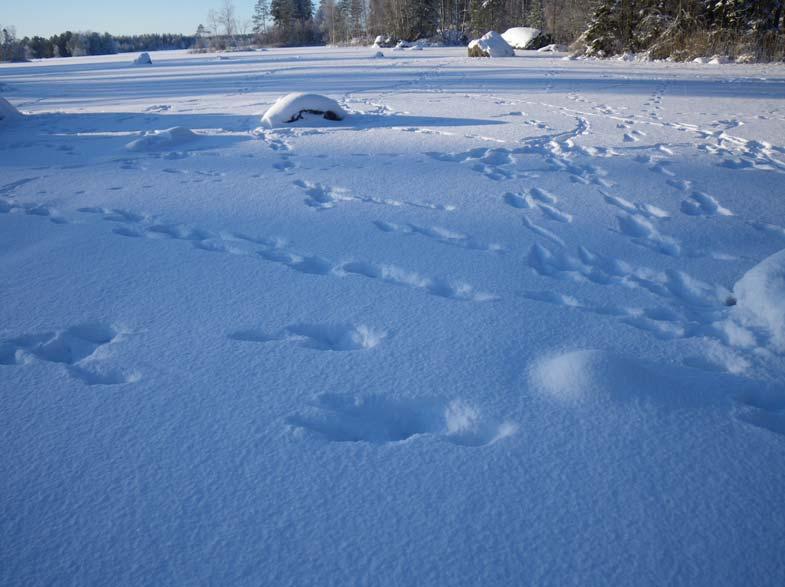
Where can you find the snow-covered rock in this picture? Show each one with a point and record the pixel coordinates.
(143, 59)
(760, 297)
(292, 107)
(522, 37)
(8, 112)
(491, 44)
(701, 60)
(162, 139)
(719, 60)
(552, 48)
(378, 55)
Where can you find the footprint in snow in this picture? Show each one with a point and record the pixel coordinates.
(377, 419)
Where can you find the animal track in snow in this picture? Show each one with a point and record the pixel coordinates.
(647, 210)
(323, 337)
(440, 235)
(765, 410)
(700, 204)
(77, 347)
(9, 206)
(376, 419)
(643, 232)
(322, 197)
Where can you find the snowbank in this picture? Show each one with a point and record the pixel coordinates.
(491, 44)
(162, 139)
(292, 107)
(521, 37)
(143, 59)
(760, 297)
(8, 112)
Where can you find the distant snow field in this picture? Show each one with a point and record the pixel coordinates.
(507, 322)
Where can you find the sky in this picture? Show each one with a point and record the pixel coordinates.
(49, 17)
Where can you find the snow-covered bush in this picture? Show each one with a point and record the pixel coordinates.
(293, 107)
(143, 59)
(491, 44)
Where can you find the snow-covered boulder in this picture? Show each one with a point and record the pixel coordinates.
(162, 139)
(402, 45)
(552, 48)
(293, 107)
(760, 297)
(719, 60)
(491, 44)
(382, 42)
(700, 60)
(8, 113)
(524, 37)
(143, 59)
(378, 55)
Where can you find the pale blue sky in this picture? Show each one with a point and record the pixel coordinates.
(49, 17)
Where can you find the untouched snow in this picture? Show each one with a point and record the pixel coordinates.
(296, 106)
(520, 37)
(511, 322)
(493, 45)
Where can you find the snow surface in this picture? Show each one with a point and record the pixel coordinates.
(493, 45)
(296, 106)
(480, 332)
(520, 37)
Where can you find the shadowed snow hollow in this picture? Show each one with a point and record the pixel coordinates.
(293, 107)
(760, 296)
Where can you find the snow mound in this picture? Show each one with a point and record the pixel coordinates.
(378, 55)
(491, 44)
(591, 376)
(292, 107)
(719, 60)
(143, 59)
(521, 37)
(162, 139)
(8, 112)
(760, 297)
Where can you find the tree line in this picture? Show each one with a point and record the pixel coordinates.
(76, 44)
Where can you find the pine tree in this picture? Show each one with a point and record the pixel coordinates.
(261, 15)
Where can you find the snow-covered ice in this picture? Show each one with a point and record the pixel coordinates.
(509, 322)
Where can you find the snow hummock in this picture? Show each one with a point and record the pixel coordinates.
(8, 112)
(162, 139)
(520, 37)
(760, 296)
(378, 55)
(552, 48)
(492, 44)
(143, 59)
(292, 107)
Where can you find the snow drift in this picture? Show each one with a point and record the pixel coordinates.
(143, 59)
(760, 297)
(8, 112)
(522, 37)
(491, 44)
(162, 139)
(294, 107)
